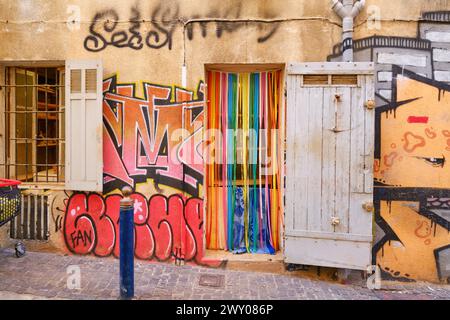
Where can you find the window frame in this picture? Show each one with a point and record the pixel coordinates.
(8, 105)
(5, 127)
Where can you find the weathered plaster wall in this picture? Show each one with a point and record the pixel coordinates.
(153, 46)
(37, 30)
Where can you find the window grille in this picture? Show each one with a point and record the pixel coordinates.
(34, 107)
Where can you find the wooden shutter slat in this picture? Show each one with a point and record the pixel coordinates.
(315, 79)
(84, 154)
(344, 79)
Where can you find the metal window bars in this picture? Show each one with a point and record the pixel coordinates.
(34, 115)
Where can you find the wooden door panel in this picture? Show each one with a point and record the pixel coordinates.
(329, 165)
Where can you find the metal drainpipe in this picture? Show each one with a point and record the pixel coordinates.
(348, 12)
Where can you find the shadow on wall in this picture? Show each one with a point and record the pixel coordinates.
(412, 174)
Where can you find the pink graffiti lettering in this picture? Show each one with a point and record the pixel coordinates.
(166, 228)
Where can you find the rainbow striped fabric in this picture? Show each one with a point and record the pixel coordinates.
(243, 183)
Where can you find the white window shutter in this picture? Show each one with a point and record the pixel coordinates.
(84, 145)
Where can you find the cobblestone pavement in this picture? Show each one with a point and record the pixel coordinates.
(44, 275)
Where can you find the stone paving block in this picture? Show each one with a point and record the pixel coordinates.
(45, 275)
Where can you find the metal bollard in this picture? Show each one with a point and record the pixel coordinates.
(126, 237)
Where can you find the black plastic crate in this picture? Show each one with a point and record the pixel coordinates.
(10, 203)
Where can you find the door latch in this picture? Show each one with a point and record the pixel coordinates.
(336, 130)
(337, 97)
(335, 221)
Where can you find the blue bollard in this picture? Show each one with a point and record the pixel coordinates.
(126, 237)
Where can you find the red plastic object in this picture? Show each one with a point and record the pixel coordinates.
(8, 183)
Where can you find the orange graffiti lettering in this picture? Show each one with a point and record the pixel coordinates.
(423, 230)
(389, 159)
(446, 133)
(430, 133)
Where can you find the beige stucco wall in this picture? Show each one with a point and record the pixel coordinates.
(37, 30)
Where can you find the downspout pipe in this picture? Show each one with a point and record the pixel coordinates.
(348, 11)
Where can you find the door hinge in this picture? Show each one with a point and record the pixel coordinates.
(370, 104)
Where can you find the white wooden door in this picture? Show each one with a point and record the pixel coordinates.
(329, 164)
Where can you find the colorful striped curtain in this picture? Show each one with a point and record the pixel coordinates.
(243, 183)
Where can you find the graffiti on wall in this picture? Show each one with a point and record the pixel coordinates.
(156, 137)
(104, 30)
(141, 146)
(58, 208)
(158, 32)
(166, 228)
(412, 206)
(412, 145)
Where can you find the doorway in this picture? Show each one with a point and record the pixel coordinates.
(244, 171)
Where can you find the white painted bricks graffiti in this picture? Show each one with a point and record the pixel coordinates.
(436, 36)
(443, 76)
(402, 59)
(384, 76)
(386, 94)
(441, 55)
